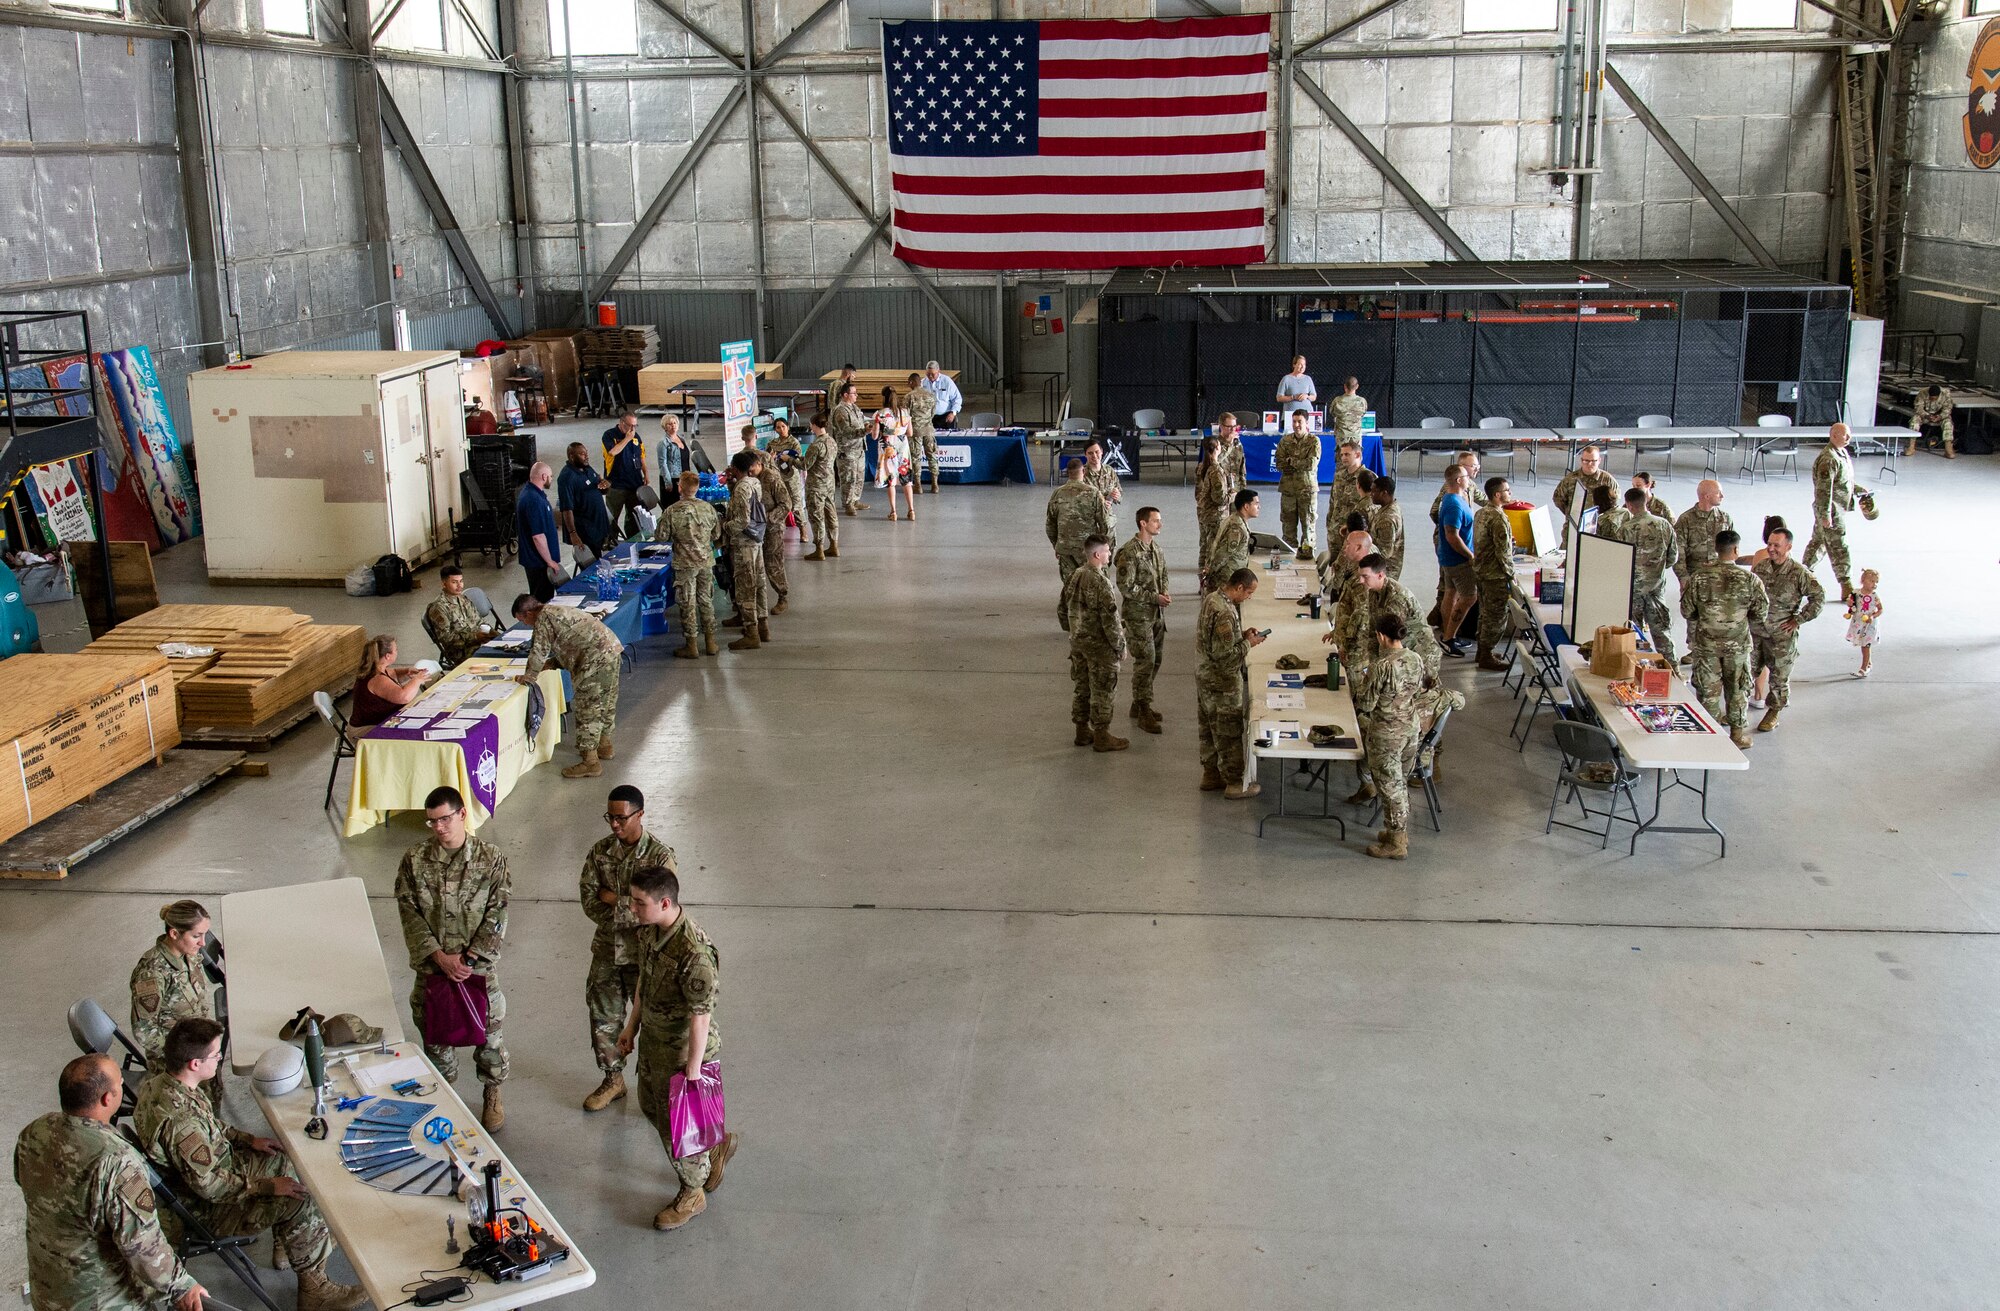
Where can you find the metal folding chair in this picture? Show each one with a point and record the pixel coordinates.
(343, 741)
(1592, 762)
(196, 1238)
(93, 1030)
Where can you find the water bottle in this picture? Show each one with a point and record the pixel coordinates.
(1332, 672)
(607, 585)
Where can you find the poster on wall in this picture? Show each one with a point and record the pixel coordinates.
(1982, 106)
(739, 385)
(139, 407)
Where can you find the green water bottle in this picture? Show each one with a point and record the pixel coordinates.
(1332, 671)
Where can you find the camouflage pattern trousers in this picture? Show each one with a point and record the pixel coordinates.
(1220, 709)
(851, 471)
(1205, 526)
(923, 446)
(1298, 508)
(1093, 690)
(657, 1067)
(1777, 653)
(1722, 680)
(295, 1222)
(490, 1061)
(774, 557)
(1148, 645)
(594, 700)
(1492, 612)
(607, 995)
(746, 567)
(694, 594)
(1065, 566)
(1833, 541)
(1649, 611)
(823, 517)
(1392, 754)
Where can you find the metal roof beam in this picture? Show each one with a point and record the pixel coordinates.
(1723, 209)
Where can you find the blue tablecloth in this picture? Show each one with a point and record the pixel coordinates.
(988, 457)
(1257, 449)
(644, 602)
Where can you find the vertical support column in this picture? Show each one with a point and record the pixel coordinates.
(1285, 96)
(198, 197)
(513, 87)
(756, 143)
(374, 171)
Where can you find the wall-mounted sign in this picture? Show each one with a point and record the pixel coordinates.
(1982, 104)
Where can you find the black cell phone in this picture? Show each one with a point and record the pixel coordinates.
(1263, 632)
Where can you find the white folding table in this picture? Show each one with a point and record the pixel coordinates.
(1294, 631)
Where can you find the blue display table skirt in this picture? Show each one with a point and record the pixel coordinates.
(1258, 447)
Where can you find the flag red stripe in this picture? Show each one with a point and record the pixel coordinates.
(1111, 29)
(1153, 106)
(1050, 184)
(1221, 143)
(1198, 66)
(1076, 259)
(1198, 221)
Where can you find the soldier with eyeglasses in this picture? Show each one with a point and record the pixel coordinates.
(614, 949)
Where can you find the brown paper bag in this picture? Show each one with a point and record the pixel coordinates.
(1613, 652)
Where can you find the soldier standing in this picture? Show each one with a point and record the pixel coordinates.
(1643, 481)
(783, 453)
(922, 402)
(822, 492)
(238, 1184)
(1297, 462)
(1372, 594)
(604, 890)
(1589, 475)
(1696, 531)
(1232, 452)
(1211, 499)
(673, 1027)
(170, 982)
(1096, 645)
(454, 621)
(1834, 491)
(1493, 569)
(1346, 496)
(1105, 479)
(570, 639)
(777, 507)
(93, 1228)
(1142, 587)
(452, 892)
(1656, 548)
(1795, 600)
(1076, 511)
(849, 427)
(1385, 525)
(1932, 415)
(691, 526)
(1220, 684)
(1611, 516)
(1387, 707)
(1230, 550)
(747, 527)
(1722, 604)
(1347, 411)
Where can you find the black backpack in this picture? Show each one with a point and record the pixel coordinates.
(392, 575)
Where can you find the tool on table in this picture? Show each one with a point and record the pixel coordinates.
(349, 1103)
(408, 1088)
(451, 1235)
(316, 1071)
(437, 1130)
(508, 1246)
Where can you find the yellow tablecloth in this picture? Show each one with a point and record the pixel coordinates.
(397, 774)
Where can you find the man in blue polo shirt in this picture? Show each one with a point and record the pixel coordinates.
(625, 470)
(1454, 552)
(535, 527)
(949, 401)
(580, 505)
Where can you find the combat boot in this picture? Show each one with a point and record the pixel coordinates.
(718, 1156)
(833, 552)
(1366, 792)
(1101, 740)
(818, 553)
(491, 1113)
(607, 1092)
(763, 631)
(1488, 661)
(586, 767)
(747, 642)
(1082, 733)
(688, 652)
(604, 748)
(1241, 791)
(690, 1203)
(1769, 721)
(1391, 844)
(1305, 553)
(318, 1293)
(734, 621)
(1211, 781)
(1741, 739)
(784, 603)
(708, 643)
(1154, 723)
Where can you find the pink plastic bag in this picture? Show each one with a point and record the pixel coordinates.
(455, 1012)
(694, 1111)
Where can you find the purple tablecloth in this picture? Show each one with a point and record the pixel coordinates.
(481, 745)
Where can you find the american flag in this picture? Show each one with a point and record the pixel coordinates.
(1082, 144)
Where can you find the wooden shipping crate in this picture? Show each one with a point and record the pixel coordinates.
(73, 723)
(267, 658)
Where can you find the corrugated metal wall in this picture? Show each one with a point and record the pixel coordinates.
(461, 329)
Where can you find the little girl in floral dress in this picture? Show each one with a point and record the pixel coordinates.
(1864, 612)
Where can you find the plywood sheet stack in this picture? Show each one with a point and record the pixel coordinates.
(69, 724)
(619, 348)
(267, 658)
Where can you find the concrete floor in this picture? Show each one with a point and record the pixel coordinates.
(1010, 1024)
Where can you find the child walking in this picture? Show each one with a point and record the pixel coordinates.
(1864, 612)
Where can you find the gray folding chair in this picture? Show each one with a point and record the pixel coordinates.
(1590, 421)
(1592, 762)
(343, 741)
(196, 1238)
(987, 419)
(1783, 447)
(93, 1030)
(1149, 420)
(1432, 424)
(1501, 448)
(1425, 774)
(477, 595)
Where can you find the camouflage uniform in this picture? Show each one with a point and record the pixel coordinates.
(1076, 512)
(166, 987)
(1795, 595)
(614, 947)
(1221, 696)
(822, 493)
(1345, 498)
(1347, 413)
(1696, 530)
(1211, 502)
(1234, 461)
(1096, 645)
(93, 1233)
(1229, 550)
(1612, 523)
(1297, 460)
(1722, 603)
(777, 505)
(1656, 506)
(1493, 567)
(849, 430)
(1656, 548)
(1833, 496)
(218, 1172)
(1566, 489)
(795, 479)
(1142, 578)
(1934, 412)
(1387, 707)
(692, 527)
(456, 623)
(1105, 480)
(456, 902)
(922, 404)
(1355, 629)
(679, 971)
(1386, 527)
(570, 639)
(746, 558)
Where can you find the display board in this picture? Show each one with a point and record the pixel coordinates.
(1598, 584)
